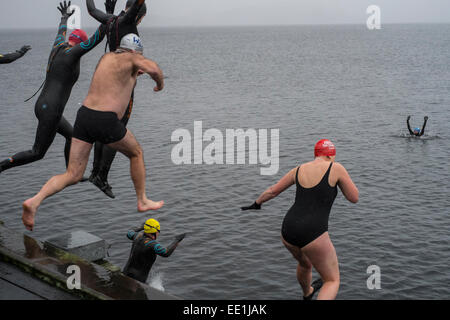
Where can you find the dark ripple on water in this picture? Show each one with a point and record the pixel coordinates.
(353, 86)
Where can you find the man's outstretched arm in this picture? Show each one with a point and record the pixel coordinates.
(150, 67)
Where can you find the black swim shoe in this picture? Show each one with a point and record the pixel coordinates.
(317, 284)
(102, 185)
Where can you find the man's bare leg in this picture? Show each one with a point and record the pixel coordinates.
(79, 156)
(131, 148)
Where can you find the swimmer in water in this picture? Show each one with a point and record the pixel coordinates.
(63, 71)
(11, 57)
(305, 226)
(99, 120)
(117, 27)
(145, 249)
(417, 131)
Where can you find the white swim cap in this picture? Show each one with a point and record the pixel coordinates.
(133, 42)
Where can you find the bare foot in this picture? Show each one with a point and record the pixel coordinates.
(147, 205)
(29, 210)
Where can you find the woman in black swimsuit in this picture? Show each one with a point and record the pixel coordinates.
(305, 226)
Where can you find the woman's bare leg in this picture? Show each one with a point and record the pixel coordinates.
(322, 255)
(304, 268)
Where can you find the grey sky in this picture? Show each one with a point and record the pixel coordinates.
(16, 14)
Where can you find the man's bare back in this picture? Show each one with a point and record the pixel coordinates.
(115, 78)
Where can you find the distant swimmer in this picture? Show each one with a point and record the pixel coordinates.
(63, 71)
(417, 131)
(118, 26)
(145, 249)
(11, 57)
(98, 120)
(305, 226)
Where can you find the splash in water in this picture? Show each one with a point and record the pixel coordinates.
(156, 280)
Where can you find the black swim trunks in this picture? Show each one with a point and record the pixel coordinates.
(92, 125)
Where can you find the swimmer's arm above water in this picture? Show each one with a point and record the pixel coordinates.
(132, 12)
(97, 14)
(65, 15)
(148, 66)
(409, 127)
(166, 252)
(425, 119)
(11, 57)
(84, 47)
(273, 191)
(133, 233)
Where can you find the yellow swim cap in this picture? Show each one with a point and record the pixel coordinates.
(152, 226)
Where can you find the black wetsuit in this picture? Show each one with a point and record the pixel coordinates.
(307, 219)
(143, 254)
(11, 57)
(118, 27)
(421, 133)
(62, 73)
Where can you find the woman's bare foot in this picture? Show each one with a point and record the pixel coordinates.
(147, 205)
(29, 211)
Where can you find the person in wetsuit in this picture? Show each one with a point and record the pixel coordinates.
(63, 71)
(117, 27)
(145, 249)
(417, 131)
(11, 57)
(305, 226)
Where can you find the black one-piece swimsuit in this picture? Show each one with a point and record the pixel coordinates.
(307, 219)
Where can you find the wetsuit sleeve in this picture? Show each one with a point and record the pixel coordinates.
(97, 14)
(133, 233)
(82, 48)
(10, 57)
(131, 13)
(409, 127)
(61, 36)
(423, 127)
(160, 250)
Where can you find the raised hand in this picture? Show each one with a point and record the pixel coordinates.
(110, 5)
(64, 9)
(24, 49)
(425, 118)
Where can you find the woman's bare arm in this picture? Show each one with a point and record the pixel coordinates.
(346, 184)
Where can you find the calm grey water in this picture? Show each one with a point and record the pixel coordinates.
(353, 86)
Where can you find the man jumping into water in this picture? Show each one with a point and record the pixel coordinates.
(145, 249)
(11, 57)
(117, 27)
(98, 120)
(417, 132)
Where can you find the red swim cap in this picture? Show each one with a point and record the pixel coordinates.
(78, 36)
(324, 147)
